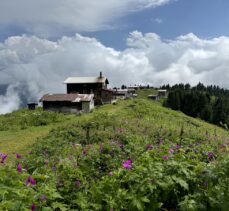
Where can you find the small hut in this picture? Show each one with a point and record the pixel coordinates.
(32, 106)
(68, 103)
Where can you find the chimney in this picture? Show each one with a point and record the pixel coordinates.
(100, 75)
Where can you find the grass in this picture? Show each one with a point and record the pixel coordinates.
(162, 119)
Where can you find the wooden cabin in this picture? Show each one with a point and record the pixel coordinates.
(68, 103)
(162, 93)
(32, 106)
(86, 85)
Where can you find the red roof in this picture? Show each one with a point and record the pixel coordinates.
(67, 97)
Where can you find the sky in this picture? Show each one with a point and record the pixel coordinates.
(131, 41)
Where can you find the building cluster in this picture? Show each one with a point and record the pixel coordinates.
(83, 93)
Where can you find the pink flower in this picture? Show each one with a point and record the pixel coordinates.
(77, 183)
(46, 162)
(165, 157)
(149, 146)
(19, 168)
(84, 152)
(18, 156)
(31, 180)
(33, 207)
(211, 155)
(110, 174)
(3, 156)
(178, 146)
(127, 164)
(171, 151)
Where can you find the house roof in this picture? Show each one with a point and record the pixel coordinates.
(108, 90)
(83, 80)
(67, 97)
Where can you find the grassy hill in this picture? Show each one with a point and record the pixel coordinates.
(135, 155)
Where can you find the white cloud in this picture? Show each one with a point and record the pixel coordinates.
(48, 18)
(158, 20)
(31, 66)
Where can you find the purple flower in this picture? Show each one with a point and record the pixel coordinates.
(223, 146)
(3, 156)
(110, 174)
(31, 180)
(171, 151)
(84, 152)
(165, 157)
(127, 164)
(178, 146)
(19, 168)
(54, 168)
(121, 146)
(190, 145)
(18, 156)
(46, 162)
(77, 183)
(211, 155)
(33, 207)
(149, 147)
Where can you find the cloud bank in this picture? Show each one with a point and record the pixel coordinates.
(53, 17)
(30, 66)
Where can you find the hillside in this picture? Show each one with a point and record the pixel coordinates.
(136, 155)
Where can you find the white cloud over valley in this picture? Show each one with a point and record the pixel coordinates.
(31, 66)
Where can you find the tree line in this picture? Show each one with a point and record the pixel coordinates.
(210, 103)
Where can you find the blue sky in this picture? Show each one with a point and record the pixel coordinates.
(131, 41)
(204, 18)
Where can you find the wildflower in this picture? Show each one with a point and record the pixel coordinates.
(84, 152)
(19, 168)
(223, 146)
(171, 151)
(149, 147)
(121, 146)
(18, 156)
(46, 162)
(33, 207)
(3, 156)
(165, 157)
(77, 183)
(178, 146)
(54, 168)
(211, 155)
(127, 164)
(190, 145)
(110, 174)
(31, 180)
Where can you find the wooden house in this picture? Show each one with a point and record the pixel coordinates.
(32, 106)
(162, 93)
(68, 103)
(86, 85)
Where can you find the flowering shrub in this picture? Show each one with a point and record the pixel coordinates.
(140, 167)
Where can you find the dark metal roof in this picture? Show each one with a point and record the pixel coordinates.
(86, 80)
(67, 97)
